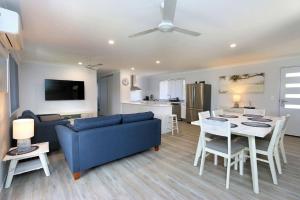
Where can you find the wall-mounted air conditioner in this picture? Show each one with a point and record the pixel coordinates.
(10, 30)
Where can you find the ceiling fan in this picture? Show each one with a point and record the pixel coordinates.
(168, 13)
(93, 66)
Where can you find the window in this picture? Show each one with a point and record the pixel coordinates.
(172, 89)
(292, 85)
(295, 74)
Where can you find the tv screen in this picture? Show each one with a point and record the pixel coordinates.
(63, 90)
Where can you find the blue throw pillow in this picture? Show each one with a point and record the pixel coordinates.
(96, 122)
(136, 117)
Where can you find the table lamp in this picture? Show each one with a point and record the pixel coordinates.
(236, 100)
(23, 130)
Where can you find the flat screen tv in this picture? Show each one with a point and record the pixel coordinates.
(63, 90)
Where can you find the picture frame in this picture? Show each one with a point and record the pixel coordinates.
(242, 83)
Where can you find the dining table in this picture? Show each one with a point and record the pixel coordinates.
(245, 131)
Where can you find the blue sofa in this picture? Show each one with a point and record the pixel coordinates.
(44, 131)
(95, 141)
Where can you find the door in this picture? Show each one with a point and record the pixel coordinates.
(189, 96)
(106, 95)
(290, 98)
(103, 94)
(199, 90)
(192, 114)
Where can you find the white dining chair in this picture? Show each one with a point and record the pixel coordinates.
(218, 112)
(225, 148)
(255, 112)
(281, 142)
(204, 115)
(269, 148)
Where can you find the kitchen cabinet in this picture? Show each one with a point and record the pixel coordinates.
(172, 89)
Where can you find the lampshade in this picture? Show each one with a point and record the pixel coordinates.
(23, 129)
(236, 98)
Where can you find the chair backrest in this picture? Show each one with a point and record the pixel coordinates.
(276, 134)
(203, 115)
(255, 111)
(218, 128)
(218, 112)
(287, 117)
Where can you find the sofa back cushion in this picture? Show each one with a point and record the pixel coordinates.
(96, 122)
(136, 117)
(50, 117)
(28, 114)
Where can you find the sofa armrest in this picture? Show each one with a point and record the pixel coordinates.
(68, 140)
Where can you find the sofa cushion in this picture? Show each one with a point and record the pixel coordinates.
(27, 114)
(136, 117)
(96, 122)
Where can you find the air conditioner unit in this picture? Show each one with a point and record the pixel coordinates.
(10, 30)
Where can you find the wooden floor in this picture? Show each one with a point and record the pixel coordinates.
(166, 174)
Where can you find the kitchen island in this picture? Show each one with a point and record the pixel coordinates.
(161, 110)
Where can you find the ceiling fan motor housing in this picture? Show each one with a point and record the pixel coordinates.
(166, 26)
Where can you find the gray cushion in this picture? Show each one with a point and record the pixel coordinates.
(261, 144)
(48, 118)
(222, 146)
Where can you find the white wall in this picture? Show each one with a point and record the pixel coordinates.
(269, 99)
(141, 82)
(4, 122)
(116, 99)
(32, 88)
(125, 89)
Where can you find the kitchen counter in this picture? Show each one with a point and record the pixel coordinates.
(161, 110)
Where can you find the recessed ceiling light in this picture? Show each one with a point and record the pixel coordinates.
(79, 63)
(157, 62)
(132, 68)
(111, 42)
(233, 45)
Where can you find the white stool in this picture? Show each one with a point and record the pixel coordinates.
(173, 123)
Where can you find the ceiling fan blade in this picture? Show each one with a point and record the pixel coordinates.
(168, 10)
(185, 31)
(143, 33)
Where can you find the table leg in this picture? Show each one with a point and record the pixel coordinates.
(11, 172)
(43, 158)
(198, 152)
(252, 150)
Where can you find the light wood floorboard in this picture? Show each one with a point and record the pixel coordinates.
(166, 174)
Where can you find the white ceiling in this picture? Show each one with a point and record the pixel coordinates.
(68, 31)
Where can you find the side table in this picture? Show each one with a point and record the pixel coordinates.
(26, 166)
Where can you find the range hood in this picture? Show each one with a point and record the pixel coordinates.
(133, 87)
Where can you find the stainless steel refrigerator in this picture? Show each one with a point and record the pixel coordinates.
(198, 99)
